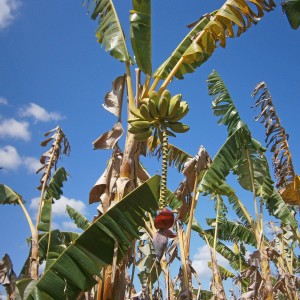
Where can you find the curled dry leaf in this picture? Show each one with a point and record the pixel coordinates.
(7, 275)
(109, 139)
(105, 188)
(113, 99)
(192, 169)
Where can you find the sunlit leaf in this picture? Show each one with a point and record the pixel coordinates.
(8, 196)
(140, 34)
(109, 32)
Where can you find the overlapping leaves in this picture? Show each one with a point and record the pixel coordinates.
(74, 270)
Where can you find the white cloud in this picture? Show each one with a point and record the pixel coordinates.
(11, 128)
(70, 226)
(32, 164)
(3, 100)
(59, 207)
(7, 12)
(9, 158)
(39, 113)
(201, 259)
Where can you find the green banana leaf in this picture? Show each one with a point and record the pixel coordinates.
(80, 221)
(109, 33)
(58, 239)
(164, 70)
(292, 11)
(74, 270)
(56, 183)
(241, 154)
(235, 260)
(140, 34)
(225, 273)
(9, 196)
(53, 191)
(232, 231)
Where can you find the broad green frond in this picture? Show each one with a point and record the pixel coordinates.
(109, 32)
(8, 196)
(164, 70)
(140, 34)
(292, 10)
(79, 220)
(75, 269)
(232, 231)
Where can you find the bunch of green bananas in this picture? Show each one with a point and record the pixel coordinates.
(161, 113)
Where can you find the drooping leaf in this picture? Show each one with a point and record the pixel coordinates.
(79, 219)
(109, 32)
(55, 184)
(164, 70)
(109, 139)
(7, 275)
(74, 270)
(232, 231)
(235, 260)
(140, 34)
(292, 11)
(114, 98)
(233, 14)
(9, 196)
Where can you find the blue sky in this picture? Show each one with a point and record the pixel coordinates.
(52, 72)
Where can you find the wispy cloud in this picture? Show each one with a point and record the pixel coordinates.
(59, 207)
(39, 113)
(3, 100)
(9, 158)
(32, 164)
(7, 12)
(11, 128)
(201, 259)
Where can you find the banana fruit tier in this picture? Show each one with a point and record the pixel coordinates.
(161, 113)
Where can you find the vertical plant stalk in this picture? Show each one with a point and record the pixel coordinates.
(192, 212)
(164, 171)
(180, 233)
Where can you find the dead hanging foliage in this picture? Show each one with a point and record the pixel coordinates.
(7, 276)
(288, 182)
(60, 145)
(192, 168)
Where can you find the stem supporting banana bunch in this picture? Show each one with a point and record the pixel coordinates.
(164, 171)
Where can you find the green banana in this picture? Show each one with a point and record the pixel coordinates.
(141, 124)
(136, 112)
(144, 110)
(178, 127)
(143, 135)
(153, 109)
(174, 106)
(166, 94)
(154, 96)
(170, 133)
(137, 130)
(163, 106)
(182, 111)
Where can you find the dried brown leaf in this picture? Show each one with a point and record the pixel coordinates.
(109, 139)
(113, 99)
